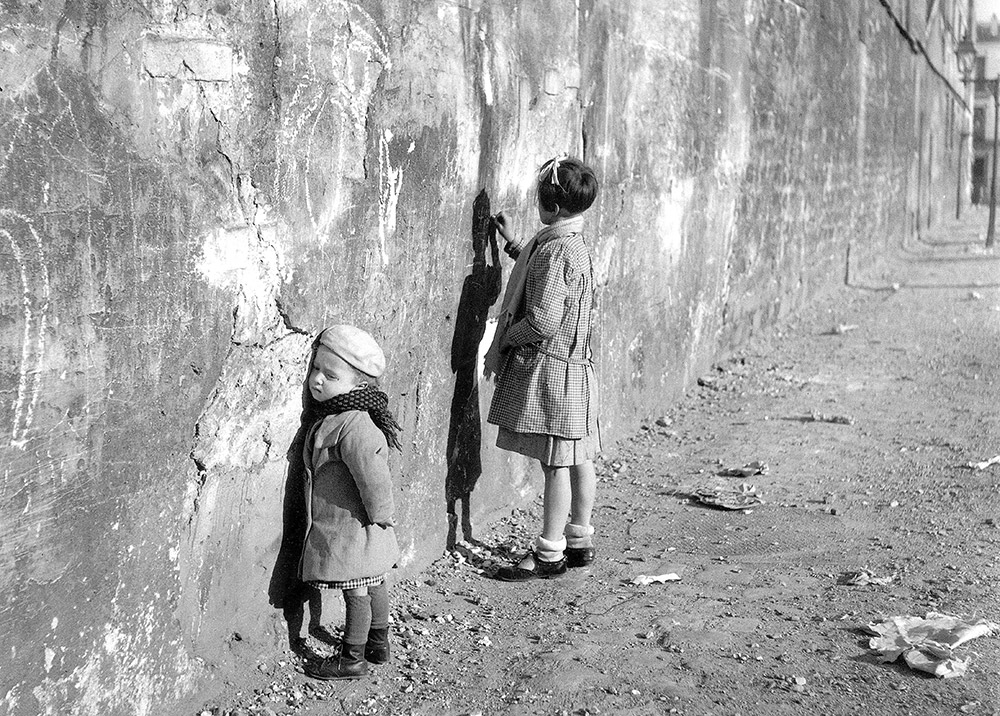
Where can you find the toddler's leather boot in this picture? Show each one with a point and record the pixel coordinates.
(349, 664)
(377, 648)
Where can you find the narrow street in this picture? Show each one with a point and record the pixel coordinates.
(866, 411)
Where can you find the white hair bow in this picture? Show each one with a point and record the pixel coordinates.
(552, 168)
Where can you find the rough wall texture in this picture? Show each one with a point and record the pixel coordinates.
(190, 189)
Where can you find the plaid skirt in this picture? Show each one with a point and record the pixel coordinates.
(350, 583)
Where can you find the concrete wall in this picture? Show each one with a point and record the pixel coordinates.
(189, 190)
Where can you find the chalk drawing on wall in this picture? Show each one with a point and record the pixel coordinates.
(29, 260)
(389, 184)
(332, 55)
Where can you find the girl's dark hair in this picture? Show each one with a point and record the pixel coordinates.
(576, 190)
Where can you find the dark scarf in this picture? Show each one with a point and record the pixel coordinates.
(367, 399)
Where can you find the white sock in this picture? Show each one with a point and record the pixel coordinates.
(579, 535)
(549, 550)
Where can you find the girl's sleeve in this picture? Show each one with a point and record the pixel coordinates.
(545, 293)
(364, 451)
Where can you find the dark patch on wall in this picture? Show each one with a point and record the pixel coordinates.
(480, 291)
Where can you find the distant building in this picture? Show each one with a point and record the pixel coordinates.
(987, 68)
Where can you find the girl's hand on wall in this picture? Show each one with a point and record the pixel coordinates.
(502, 222)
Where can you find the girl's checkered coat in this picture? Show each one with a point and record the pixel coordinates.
(546, 383)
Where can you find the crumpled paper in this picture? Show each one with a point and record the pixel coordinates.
(928, 643)
(862, 578)
(644, 580)
(741, 497)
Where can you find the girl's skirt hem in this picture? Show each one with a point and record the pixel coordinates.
(551, 450)
(349, 583)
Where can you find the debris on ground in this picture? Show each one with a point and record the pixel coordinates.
(742, 497)
(815, 417)
(928, 643)
(985, 463)
(749, 470)
(862, 578)
(644, 580)
(842, 328)
(787, 683)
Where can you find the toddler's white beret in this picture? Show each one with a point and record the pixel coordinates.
(356, 347)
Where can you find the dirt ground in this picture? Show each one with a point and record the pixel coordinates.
(761, 620)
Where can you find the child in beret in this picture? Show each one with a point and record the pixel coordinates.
(349, 539)
(545, 403)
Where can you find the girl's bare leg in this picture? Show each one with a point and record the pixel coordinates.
(583, 486)
(579, 531)
(550, 544)
(556, 505)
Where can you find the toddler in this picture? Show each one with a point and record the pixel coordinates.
(349, 540)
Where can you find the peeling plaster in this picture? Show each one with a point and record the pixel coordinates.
(670, 218)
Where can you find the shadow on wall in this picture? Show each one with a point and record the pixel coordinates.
(286, 591)
(479, 291)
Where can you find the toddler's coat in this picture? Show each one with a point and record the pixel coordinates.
(348, 489)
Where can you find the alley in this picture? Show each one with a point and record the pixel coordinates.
(866, 410)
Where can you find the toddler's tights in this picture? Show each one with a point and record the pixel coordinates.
(364, 612)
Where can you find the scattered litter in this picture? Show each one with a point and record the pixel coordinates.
(664, 421)
(975, 296)
(985, 463)
(743, 497)
(896, 286)
(862, 578)
(969, 707)
(707, 381)
(842, 328)
(927, 644)
(644, 580)
(749, 470)
(788, 683)
(815, 417)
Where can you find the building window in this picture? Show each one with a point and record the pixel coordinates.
(979, 123)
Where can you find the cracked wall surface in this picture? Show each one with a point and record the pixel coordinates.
(189, 190)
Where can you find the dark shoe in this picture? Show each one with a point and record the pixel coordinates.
(350, 664)
(579, 556)
(377, 648)
(539, 570)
